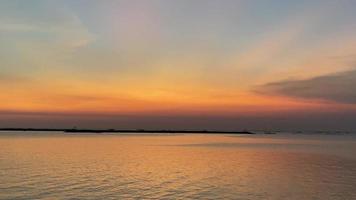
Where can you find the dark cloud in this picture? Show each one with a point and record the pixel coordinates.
(338, 87)
(302, 120)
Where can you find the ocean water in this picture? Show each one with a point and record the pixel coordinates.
(176, 166)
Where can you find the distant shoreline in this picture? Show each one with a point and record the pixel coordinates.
(124, 131)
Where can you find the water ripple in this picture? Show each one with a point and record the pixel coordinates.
(182, 167)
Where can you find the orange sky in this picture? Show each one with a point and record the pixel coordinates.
(228, 58)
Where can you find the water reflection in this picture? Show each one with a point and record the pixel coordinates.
(175, 167)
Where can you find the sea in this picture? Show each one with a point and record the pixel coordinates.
(56, 165)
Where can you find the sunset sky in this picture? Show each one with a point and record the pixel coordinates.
(224, 64)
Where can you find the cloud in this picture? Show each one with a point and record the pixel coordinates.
(52, 22)
(40, 38)
(338, 87)
(12, 79)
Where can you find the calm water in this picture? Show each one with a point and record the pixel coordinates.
(59, 166)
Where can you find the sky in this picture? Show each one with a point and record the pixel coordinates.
(202, 64)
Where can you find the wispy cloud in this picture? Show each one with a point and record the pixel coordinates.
(55, 24)
(7, 79)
